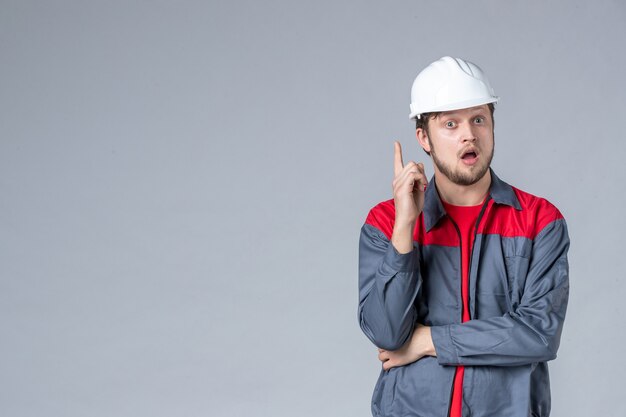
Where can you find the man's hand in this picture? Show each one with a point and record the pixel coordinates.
(409, 184)
(419, 345)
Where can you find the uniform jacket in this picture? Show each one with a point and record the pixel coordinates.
(518, 292)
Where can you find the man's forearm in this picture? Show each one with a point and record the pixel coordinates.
(389, 283)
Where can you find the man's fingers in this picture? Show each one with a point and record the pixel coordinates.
(398, 165)
(423, 181)
(387, 365)
(399, 169)
(413, 176)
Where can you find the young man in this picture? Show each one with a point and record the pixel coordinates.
(463, 280)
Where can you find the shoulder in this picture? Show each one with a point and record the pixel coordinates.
(537, 211)
(382, 216)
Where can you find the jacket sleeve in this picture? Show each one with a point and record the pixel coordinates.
(388, 285)
(529, 333)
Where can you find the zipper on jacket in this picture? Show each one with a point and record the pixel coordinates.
(469, 266)
(458, 232)
(451, 391)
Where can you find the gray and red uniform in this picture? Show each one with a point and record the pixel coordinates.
(518, 292)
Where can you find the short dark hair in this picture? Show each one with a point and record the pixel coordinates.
(422, 122)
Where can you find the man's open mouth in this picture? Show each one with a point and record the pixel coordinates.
(470, 156)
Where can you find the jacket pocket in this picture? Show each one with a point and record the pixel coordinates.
(382, 398)
(492, 288)
(421, 389)
(516, 271)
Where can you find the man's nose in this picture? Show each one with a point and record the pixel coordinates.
(468, 132)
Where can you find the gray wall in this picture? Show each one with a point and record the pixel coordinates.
(182, 186)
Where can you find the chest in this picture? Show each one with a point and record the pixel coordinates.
(498, 266)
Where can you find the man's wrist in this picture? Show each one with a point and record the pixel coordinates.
(402, 237)
(429, 346)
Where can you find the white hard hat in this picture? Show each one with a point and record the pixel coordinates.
(449, 84)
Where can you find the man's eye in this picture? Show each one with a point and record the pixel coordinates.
(479, 119)
(450, 124)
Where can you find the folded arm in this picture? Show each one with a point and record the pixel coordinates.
(389, 283)
(532, 331)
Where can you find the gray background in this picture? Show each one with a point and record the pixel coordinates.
(182, 186)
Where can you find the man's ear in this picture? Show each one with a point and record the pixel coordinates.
(422, 138)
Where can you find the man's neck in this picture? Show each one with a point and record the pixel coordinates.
(462, 195)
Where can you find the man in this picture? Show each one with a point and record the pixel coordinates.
(463, 280)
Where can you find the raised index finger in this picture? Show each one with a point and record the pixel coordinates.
(398, 165)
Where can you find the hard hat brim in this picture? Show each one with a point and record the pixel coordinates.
(454, 106)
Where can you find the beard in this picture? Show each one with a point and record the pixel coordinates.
(460, 177)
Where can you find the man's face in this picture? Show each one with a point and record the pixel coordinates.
(461, 143)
